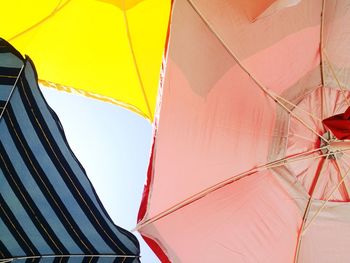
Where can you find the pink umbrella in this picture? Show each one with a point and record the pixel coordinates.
(242, 168)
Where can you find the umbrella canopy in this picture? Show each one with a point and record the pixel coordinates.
(109, 50)
(49, 209)
(243, 169)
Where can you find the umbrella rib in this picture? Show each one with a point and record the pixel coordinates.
(336, 78)
(342, 175)
(321, 58)
(12, 90)
(306, 213)
(199, 195)
(301, 137)
(261, 86)
(135, 63)
(297, 107)
(325, 202)
(53, 12)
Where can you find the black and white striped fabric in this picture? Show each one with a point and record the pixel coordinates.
(49, 211)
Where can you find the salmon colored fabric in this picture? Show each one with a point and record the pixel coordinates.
(241, 170)
(249, 221)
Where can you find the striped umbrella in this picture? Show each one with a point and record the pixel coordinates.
(49, 211)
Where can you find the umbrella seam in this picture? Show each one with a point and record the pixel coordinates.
(276, 163)
(262, 87)
(135, 62)
(58, 8)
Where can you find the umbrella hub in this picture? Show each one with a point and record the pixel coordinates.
(297, 138)
(333, 147)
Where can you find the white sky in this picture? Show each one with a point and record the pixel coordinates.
(113, 145)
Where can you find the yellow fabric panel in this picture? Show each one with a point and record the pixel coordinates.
(85, 45)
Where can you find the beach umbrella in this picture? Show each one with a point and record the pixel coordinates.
(105, 49)
(247, 164)
(49, 211)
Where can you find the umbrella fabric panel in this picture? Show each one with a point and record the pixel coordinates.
(244, 38)
(276, 50)
(325, 238)
(232, 90)
(214, 118)
(48, 204)
(109, 50)
(326, 229)
(261, 8)
(211, 138)
(336, 44)
(251, 220)
(253, 10)
(274, 7)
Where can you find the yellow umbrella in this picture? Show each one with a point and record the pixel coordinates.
(107, 49)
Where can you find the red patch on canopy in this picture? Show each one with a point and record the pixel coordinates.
(339, 125)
